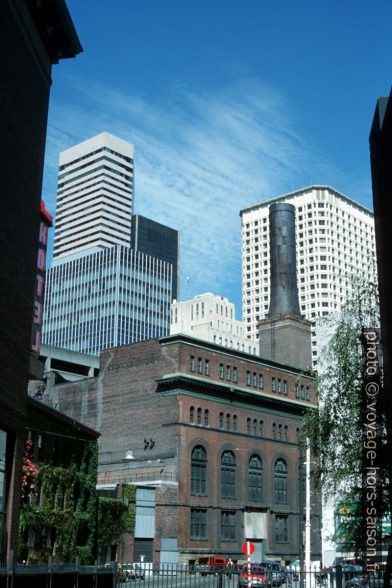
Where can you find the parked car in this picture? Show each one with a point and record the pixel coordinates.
(276, 575)
(372, 581)
(132, 571)
(256, 576)
(212, 564)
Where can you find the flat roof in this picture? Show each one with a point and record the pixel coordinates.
(307, 189)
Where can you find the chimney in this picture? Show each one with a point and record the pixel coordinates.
(284, 336)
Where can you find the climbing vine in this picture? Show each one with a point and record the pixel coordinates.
(116, 516)
(61, 520)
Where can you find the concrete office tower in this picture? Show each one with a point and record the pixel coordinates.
(334, 241)
(100, 292)
(284, 335)
(152, 238)
(94, 195)
(106, 298)
(211, 318)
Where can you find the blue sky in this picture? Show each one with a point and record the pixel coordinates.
(227, 104)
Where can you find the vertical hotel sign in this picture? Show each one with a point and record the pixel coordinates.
(45, 223)
(372, 475)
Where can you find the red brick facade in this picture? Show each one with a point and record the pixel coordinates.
(161, 399)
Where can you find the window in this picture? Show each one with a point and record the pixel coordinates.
(221, 420)
(281, 529)
(198, 524)
(228, 373)
(227, 526)
(307, 392)
(254, 426)
(192, 414)
(235, 422)
(285, 433)
(273, 385)
(199, 471)
(261, 383)
(206, 417)
(192, 363)
(235, 375)
(279, 386)
(254, 479)
(199, 416)
(261, 428)
(248, 421)
(199, 365)
(227, 477)
(248, 374)
(274, 430)
(207, 367)
(303, 392)
(221, 371)
(228, 422)
(280, 481)
(296, 390)
(285, 387)
(254, 379)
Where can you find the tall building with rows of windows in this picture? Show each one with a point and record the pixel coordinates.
(94, 195)
(211, 318)
(100, 292)
(334, 242)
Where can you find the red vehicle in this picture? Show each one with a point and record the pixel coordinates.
(258, 576)
(205, 565)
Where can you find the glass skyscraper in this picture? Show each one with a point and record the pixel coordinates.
(107, 298)
(100, 292)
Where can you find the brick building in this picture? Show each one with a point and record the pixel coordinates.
(209, 437)
(33, 37)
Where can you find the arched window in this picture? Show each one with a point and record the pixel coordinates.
(235, 421)
(227, 476)
(279, 431)
(199, 416)
(280, 481)
(228, 422)
(261, 428)
(192, 414)
(206, 417)
(254, 479)
(221, 420)
(274, 430)
(285, 433)
(199, 471)
(254, 426)
(248, 421)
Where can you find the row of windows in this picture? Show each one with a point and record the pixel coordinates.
(227, 476)
(254, 379)
(230, 423)
(199, 526)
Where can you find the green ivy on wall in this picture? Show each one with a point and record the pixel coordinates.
(63, 522)
(116, 516)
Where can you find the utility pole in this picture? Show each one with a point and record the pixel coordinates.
(307, 519)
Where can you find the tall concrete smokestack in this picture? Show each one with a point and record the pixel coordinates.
(284, 291)
(284, 335)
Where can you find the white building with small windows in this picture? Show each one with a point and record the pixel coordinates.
(335, 242)
(211, 318)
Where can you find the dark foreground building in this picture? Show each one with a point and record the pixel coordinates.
(381, 165)
(209, 437)
(33, 37)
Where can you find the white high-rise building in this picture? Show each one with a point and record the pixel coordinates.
(335, 242)
(94, 195)
(211, 318)
(99, 292)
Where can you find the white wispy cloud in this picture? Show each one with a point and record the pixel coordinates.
(199, 158)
